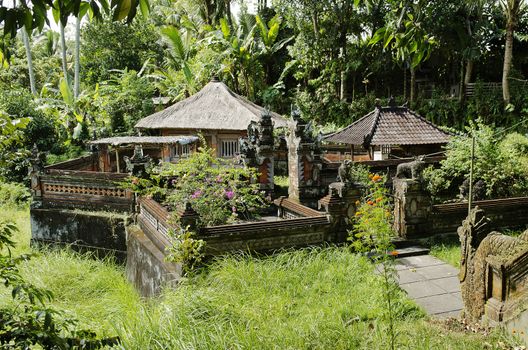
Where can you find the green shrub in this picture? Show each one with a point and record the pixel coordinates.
(14, 195)
(501, 168)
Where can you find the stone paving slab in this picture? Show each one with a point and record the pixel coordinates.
(449, 284)
(421, 289)
(432, 284)
(440, 304)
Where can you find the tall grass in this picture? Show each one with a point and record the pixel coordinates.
(320, 298)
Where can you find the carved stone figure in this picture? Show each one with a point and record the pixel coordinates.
(138, 164)
(411, 170)
(477, 245)
(343, 172)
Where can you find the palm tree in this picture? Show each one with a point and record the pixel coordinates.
(63, 53)
(25, 38)
(76, 79)
(270, 45)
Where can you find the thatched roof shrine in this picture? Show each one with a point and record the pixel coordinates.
(214, 107)
(145, 140)
(392, 125)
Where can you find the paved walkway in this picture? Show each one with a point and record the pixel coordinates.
(432, 284)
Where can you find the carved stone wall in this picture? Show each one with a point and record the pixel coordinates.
(340, 205)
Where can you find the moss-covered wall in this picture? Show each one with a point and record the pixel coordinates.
(83, 229)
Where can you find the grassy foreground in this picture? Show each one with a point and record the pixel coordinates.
(323, 298)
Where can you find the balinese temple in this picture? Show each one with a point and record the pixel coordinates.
(391, 131)
(215, 112)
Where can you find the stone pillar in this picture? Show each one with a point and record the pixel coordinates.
(340, 205)
(412, 208)
(304, 162)
(265, 153)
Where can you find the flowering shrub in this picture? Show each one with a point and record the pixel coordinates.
(218, 190)
(374, 216)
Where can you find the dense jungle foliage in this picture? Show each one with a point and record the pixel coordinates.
(331, 58)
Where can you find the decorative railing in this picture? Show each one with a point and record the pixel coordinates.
(72, 189)
(154, 219)
(290, 209)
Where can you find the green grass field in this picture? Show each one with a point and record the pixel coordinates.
(320, 298)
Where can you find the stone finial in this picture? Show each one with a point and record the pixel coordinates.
(377, 103)
(392, 101)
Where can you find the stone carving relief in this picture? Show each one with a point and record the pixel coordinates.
(478, 245)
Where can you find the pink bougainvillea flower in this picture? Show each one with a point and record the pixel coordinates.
(229, 194)
(196, 194)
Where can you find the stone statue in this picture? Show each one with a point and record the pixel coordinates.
(343, 172)
(36, 168)
(411, 170)
(477, 244)
(37, 160)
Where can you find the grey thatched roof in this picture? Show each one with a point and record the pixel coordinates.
(144, 140)
(390, 126)
(213, 107)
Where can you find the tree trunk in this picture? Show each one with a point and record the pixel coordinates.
(413, 83)
(227, 4)
(508, 56)
(469, 71)
(404, 83)
(25, 38)
(315, 23)
(462, 82)
(63, 49)
(77, 81)
(343, 88)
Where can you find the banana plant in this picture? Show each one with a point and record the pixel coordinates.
(239, 55)
(269, 45)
